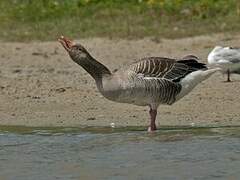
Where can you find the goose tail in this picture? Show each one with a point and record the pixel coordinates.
(193, 79)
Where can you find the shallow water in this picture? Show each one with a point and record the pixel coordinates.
(105, 153)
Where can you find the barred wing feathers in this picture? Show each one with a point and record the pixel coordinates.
(165, 68)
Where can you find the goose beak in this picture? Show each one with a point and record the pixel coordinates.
(66, 43)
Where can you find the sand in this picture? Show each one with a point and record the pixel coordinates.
(41, 86)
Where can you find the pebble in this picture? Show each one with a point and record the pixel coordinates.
(112, 125)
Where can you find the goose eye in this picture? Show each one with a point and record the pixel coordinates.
(78, 48)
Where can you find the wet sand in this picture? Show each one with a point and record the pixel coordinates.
(41, 86)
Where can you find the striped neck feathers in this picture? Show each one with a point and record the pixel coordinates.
(91, 65)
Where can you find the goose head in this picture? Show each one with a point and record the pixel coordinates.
(75, 50)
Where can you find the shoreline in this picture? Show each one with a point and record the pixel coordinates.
(107, 129)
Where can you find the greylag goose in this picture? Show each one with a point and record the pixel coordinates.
(227, 58)
(148, 82)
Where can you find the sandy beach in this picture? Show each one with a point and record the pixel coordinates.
(41, 86)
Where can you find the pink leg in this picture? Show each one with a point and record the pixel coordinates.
(153, 114)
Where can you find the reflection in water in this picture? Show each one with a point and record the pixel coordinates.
(104, 153)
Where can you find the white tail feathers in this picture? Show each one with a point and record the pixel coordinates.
(193, 79)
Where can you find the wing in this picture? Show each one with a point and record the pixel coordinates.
(160, 90)
(165, 68)
(228, 55)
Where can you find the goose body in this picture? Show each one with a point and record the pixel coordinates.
(149, 82)
(227, 58)
(153, 81)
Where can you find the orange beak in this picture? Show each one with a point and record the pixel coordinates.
(66, 43)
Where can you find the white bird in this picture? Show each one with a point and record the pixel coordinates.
(149, 82)
(227, 58)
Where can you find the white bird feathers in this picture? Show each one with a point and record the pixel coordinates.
(227, 58)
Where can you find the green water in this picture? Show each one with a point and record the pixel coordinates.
(119, 153)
